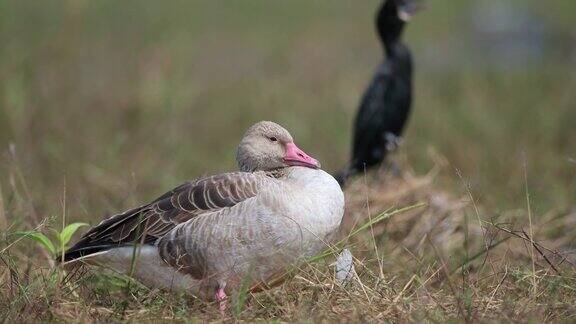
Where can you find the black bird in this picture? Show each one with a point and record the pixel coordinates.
(386, 103)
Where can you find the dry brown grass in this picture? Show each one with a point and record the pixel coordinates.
(447, 260)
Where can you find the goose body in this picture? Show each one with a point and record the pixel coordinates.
(209, 236)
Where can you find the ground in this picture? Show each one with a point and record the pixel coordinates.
(105, 105)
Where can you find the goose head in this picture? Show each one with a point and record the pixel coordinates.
(268, 146)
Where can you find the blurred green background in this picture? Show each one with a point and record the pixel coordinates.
(121, 100)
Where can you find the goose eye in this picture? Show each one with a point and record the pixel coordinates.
(273, 139)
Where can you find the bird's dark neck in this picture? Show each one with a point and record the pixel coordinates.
(390, 28)
(397, 51)
(390, 33)
(399, 59)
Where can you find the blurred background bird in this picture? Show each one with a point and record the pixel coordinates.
(385, 105)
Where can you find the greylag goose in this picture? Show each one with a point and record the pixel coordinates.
(208, 236)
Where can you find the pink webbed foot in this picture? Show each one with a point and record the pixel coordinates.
(222, 299)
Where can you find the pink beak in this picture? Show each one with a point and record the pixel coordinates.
(296, 157)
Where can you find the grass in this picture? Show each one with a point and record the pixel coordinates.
(104, 105)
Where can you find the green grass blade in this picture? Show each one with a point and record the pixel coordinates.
(375, 220)
(40, 238)
(479, 254)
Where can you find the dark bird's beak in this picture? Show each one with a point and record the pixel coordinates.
(408, 8)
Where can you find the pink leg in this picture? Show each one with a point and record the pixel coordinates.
(221, 298)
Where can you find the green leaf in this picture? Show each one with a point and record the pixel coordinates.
(40, 238)
(68, 231)
(56, 234)
(240, 300)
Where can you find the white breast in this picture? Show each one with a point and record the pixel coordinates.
(315, 202)
(317, 196)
